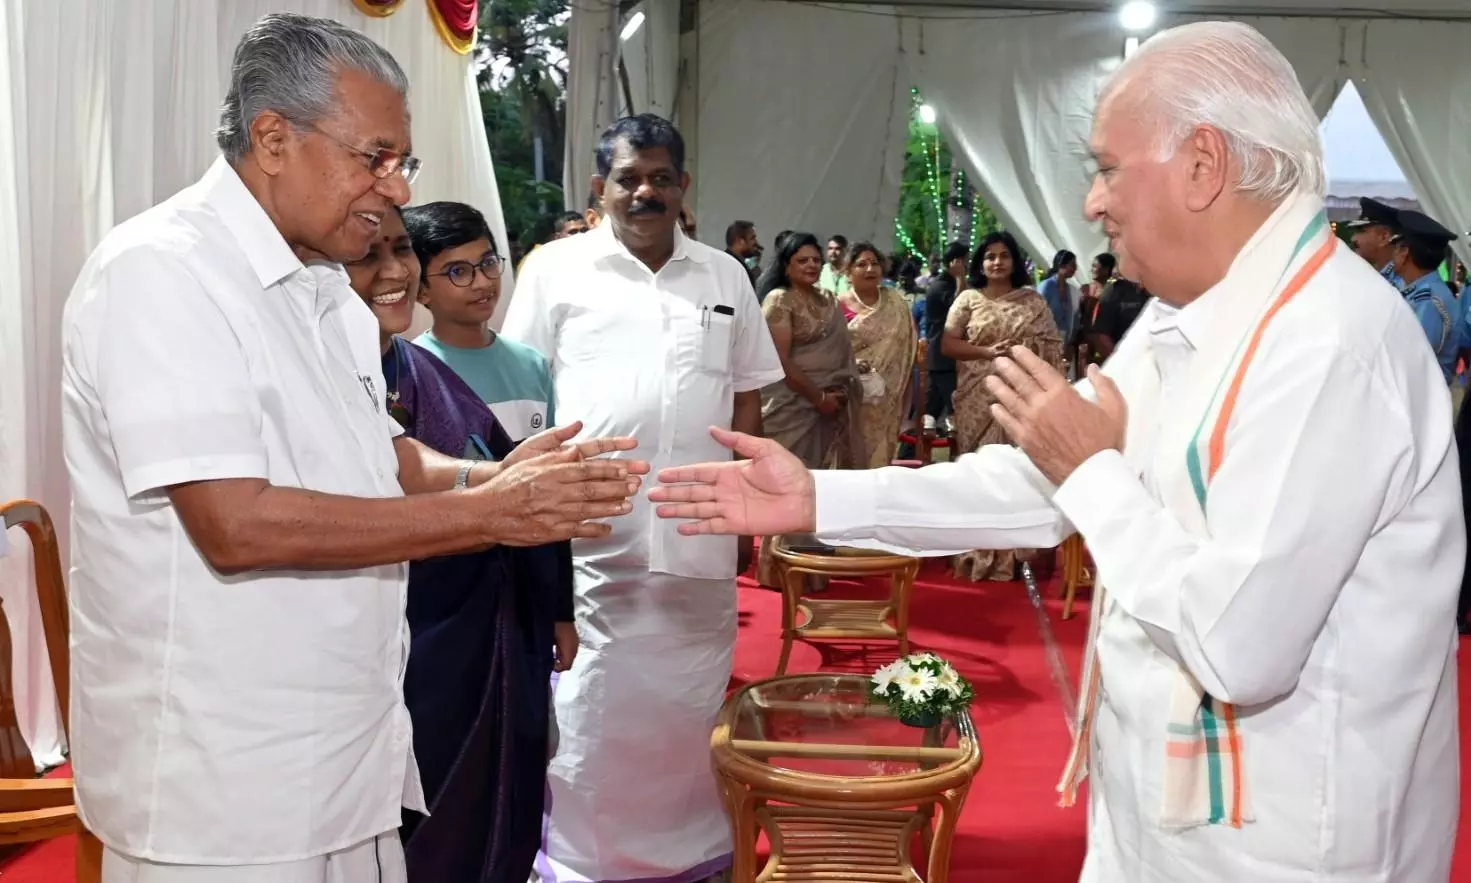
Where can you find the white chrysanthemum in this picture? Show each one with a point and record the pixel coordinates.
(949, 681)
(917, 685)
(883, 679)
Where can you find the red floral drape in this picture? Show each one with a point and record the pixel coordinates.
(456, 20)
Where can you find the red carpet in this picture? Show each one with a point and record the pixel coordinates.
(1011, 831)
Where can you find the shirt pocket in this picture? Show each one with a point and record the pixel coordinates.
(704, 340)
(718, 331)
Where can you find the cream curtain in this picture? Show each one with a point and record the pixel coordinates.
(107, 108)
(1014, 95)
(1413, 77)
(802, 116)
(592, 91)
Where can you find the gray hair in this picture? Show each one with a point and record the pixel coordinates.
(1226, 75)
(289, 64)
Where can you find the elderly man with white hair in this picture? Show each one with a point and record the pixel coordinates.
(1265, 475)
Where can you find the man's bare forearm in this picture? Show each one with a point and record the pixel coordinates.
(423, 470)
(746, 414)
(246, 524)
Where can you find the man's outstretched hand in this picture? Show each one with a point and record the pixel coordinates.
(560, 437)
(768, 493)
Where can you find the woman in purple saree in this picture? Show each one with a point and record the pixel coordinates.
(482, 625)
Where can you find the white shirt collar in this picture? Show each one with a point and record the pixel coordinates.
(1194, 320)
(270, 256)
(604, 244)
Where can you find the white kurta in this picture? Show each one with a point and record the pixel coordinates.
(244, 719)
(1320, 600)
(657, 356)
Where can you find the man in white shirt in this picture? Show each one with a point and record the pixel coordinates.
(1265, 475)
(653, 334)
(240, 518)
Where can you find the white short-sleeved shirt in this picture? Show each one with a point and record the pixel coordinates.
(226, 719)
(658, 356)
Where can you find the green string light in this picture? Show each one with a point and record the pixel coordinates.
(904, 239)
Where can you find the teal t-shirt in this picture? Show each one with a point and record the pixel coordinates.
(510, 377)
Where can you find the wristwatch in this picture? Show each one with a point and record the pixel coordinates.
(462, 478)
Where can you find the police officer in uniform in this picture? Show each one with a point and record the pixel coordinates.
(1419, 250)
(1373, 237)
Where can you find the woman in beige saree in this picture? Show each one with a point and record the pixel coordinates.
(999, 311)
(881, 327)
(813, 411)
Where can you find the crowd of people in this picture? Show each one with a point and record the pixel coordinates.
(257, 453)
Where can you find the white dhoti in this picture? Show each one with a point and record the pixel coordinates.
(632, 792)
(380, 860)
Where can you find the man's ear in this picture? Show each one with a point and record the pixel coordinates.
(1210, 167)
(269, 136)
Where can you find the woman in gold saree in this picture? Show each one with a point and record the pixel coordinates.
(881, 327)
(813, 411)
(1000, 310)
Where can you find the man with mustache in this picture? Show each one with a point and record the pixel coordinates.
(243, 504)
(653, 334)
(1266, 478)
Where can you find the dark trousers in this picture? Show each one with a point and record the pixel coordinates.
(942, 388)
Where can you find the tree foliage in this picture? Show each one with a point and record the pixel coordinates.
(521, 57)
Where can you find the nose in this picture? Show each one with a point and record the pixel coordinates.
(645, 191)
(394, 269)
(396, 188)
(1093, 206)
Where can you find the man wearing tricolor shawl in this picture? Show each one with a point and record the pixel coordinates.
(1265, 475)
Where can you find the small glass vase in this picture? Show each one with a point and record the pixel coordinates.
(923, 720)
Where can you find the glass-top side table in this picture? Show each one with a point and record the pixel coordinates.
(837, 783)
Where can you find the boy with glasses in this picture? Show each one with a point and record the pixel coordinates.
(461, 287)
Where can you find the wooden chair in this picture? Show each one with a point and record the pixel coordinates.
(923, 440)
(33, 809)
(1076, 574)
(810, 618)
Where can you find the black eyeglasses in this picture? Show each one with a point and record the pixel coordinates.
(462, 273)
(382, 163)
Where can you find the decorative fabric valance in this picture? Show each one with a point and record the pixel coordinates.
(456, 20)
(378, 8)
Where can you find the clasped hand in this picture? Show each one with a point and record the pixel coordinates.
(549, 489)
(1049, 419)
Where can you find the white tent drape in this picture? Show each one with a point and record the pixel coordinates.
(592, 102)
(793, 135)
(30, 462)
(1414, 83)
(1014, 95)
(105, 109)
(651, 58)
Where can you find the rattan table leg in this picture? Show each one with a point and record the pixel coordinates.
(791, 597)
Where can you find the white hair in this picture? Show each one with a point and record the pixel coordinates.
(1229, 77)
(289, 64)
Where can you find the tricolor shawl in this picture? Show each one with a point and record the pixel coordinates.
(1204, 778)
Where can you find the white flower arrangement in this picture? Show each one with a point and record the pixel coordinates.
(921, 687)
